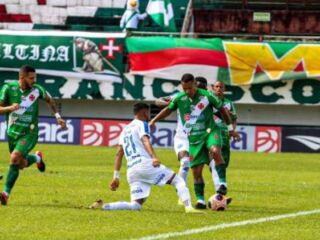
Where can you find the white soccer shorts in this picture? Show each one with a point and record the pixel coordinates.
(141, 179)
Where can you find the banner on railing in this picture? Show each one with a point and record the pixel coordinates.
(63, 55)
(234, 62)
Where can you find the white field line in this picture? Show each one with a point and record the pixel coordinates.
(228, 225)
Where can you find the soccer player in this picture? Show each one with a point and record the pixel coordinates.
(143, 166)
(181, 142)
(219, 89)
(20, 101)
(195, 106)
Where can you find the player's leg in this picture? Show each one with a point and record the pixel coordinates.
(134, 205)
(30, 159)
(225, 151)
(13, 171)
(214, 144)
(198, 157)
(181, 147)
(140, 191)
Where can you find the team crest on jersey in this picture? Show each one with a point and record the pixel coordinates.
(187, 117)
(32, 97)
(191, 158)
(201, 106)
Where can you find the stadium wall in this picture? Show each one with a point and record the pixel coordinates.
(99, 132)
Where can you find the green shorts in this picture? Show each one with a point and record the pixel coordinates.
(199, 151)
(23, 144)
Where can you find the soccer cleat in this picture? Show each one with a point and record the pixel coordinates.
(222, 190)
(4, 198)
(180, 203)
(40, 165)
(192, 210)
(200, 205)
(97, 204)
(229, 200)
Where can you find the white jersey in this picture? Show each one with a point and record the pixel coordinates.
(181, 142)
(141, 174)
(130, 139)
(179, 130)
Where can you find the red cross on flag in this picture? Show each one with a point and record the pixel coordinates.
(111, 48)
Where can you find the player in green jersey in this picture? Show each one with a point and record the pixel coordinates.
(19, 100)
(196, 111)
(219, 88)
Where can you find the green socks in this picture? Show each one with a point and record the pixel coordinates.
(199, 190)
(13, 175)
(221, 170)
(31, 159)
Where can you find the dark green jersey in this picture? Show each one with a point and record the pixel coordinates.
(196, 114)
(25, 119)
(227, 104)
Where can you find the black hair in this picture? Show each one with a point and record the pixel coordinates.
(201, 82)
(139, 106)
(187, 77)
(27, 69)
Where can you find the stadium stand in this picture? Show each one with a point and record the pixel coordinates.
(230, 16)
(82, 15)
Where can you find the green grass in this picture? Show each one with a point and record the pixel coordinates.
(53, 205)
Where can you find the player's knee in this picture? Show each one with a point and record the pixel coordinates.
(136, 206)
(23, 164)
(182, 155)
(15, 158)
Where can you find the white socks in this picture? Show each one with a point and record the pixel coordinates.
(184, 168)
(122, 206)
(214, 174)
(182, 190)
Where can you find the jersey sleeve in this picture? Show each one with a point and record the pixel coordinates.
(43, 93)
(4, 93)
(215, 101)
(144, 129)
(173, 105)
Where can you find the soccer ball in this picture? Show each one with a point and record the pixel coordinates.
(217, 202)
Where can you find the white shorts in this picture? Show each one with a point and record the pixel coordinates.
(141, 178)
(181, 143)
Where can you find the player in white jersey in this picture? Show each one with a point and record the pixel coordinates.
(143, 167)
(180, 143)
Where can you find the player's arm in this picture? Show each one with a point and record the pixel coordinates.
(11, 108)
(163, 102)
(147, 145)
(230, 123)
(52, 106)
(3, 97)
(117, 166)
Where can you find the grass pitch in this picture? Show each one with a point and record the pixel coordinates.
(54, 205)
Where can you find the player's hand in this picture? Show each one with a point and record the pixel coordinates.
(14, 107)
(152, 125)
(62, 123)
(155, 162)
(235, 135)
(114, 184)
